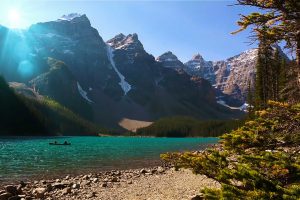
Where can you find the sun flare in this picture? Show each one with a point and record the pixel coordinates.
(14, 17)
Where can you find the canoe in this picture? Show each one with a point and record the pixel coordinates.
(52, 143)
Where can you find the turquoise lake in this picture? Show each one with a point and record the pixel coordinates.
(25, 158)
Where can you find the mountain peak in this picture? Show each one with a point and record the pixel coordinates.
(70, 17)
(130, 41)
(169, 60)
(197, 57)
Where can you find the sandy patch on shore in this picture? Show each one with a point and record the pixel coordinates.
(133, 125)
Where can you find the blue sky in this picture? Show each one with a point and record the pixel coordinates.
(183, 27)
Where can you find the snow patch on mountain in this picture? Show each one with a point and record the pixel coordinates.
(69, 17)
(83, 93)
(243, 107)
(126, 87)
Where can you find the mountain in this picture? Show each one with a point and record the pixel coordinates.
(169, 60)
(230, 76)
(104, 82)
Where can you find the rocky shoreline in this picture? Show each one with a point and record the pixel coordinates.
(147, 183)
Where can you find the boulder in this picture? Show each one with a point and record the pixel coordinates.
(11, 189)
(14, 198)
(5, 196)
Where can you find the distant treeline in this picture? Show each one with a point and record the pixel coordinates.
(20, 115)
(189, 127)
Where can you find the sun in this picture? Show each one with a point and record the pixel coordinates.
(14, 17)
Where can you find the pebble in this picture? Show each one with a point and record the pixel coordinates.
(39, 192)
(66, 191)
(104, 185)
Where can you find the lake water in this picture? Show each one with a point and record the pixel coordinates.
(25, 158)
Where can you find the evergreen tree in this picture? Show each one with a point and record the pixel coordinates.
(250, 100)
(278, 22)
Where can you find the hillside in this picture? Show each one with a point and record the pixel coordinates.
(22, 116)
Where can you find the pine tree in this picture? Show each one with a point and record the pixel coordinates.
(250, 100)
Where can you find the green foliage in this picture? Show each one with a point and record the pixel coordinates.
(188, 127)
(58, 119)
(15, 117)
(270, 75)
(260, 160)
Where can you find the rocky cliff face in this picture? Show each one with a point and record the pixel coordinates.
(230, 76)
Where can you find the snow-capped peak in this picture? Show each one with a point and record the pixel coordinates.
(69, 17)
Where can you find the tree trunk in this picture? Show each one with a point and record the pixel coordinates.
(298, 49)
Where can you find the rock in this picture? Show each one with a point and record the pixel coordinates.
(148, 173)
(66, 191)
(76, 186)
(85, 177)
(129, 182)
(197, 197)
(2, 191)
(39, 192)
(106, 180)
(104, 185)
(114, 179)
(49, 187)
(11, 189)
(160, 169)
(143, 171)
(60, 185)
(19, 189)
(117, 173)
(91, 195)
(5, 196)
(22, 184)
(86, 182)
(95, 180)
(14, 198)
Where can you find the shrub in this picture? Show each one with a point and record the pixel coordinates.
(260, 160)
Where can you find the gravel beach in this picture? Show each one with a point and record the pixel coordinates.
(156, 183)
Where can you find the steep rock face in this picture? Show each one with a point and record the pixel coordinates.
(169, 60)
(230, 76)
(73, 40)
(234, 74)
(197, 66)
